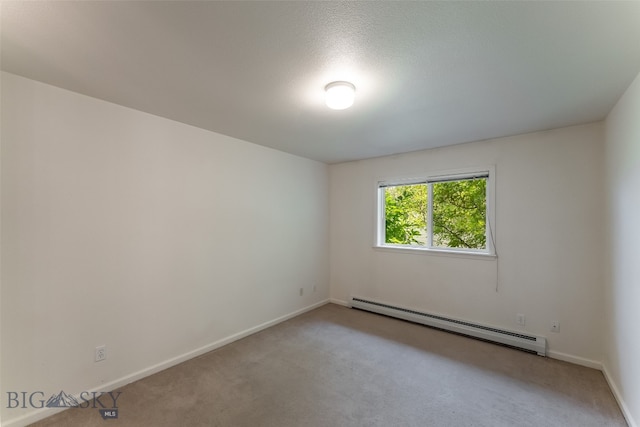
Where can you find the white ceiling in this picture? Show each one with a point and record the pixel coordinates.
(428, 74)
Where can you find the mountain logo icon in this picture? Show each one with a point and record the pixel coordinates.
(61, 400)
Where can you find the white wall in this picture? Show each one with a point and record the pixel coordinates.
(147, 235)
(622, 283)
(548, 235)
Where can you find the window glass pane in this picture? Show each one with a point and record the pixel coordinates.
(405, 209)
(460, 214)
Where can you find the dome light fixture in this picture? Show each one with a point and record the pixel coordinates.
(340, 95)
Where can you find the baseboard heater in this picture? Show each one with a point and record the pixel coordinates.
(530, 343)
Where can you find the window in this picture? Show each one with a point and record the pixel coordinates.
(444, 212)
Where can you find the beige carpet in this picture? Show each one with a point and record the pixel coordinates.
(336, 366)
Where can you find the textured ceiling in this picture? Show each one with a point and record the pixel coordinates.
(428, 74)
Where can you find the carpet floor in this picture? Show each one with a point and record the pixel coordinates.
(335, 366)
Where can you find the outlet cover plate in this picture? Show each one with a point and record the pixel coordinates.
(101, 353)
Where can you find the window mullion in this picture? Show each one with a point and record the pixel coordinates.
(382, 206)
(430, 215)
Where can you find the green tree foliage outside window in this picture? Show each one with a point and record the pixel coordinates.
(460, 214)
(406, 214)
(459, 211)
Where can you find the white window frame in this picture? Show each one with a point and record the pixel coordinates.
(490, 230)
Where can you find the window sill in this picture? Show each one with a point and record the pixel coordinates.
(436, 252)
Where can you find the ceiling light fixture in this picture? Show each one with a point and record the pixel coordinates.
(340, 95)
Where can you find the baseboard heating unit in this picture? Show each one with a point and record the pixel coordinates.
(530, 343)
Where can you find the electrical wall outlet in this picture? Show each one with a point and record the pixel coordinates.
(101, 353)
(520, 319)
(301, 291)
(555, 326)
(314, 288)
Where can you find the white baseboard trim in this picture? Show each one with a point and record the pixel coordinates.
(339, 302)
(577, 360)
(616, 393)
(43, 413)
